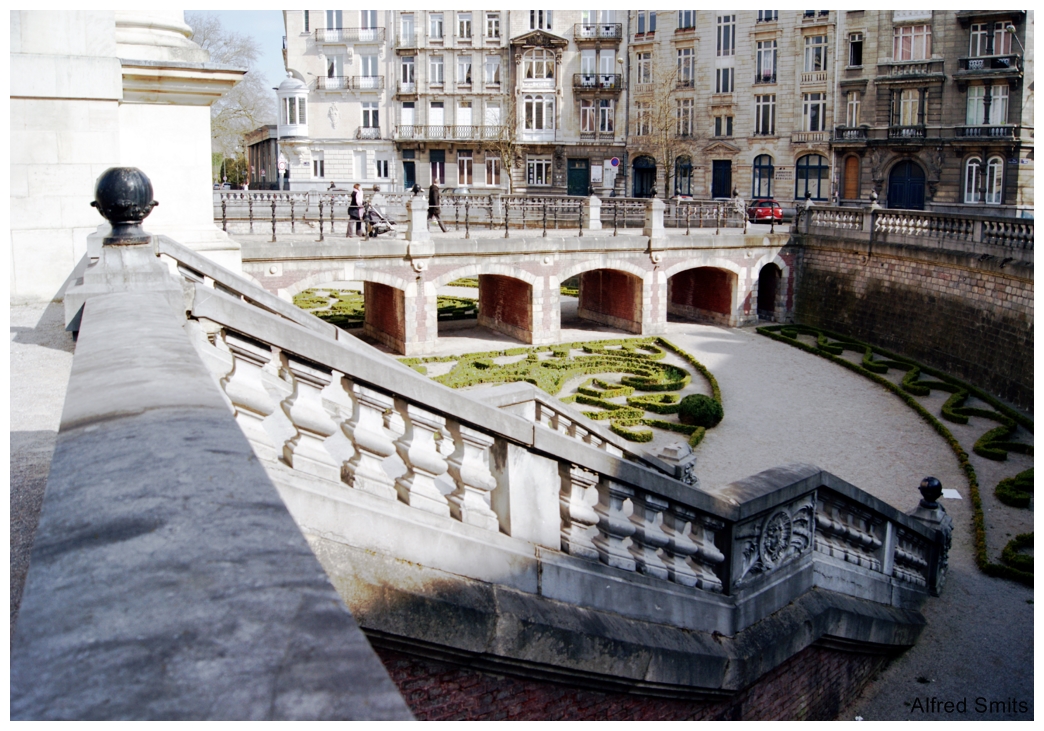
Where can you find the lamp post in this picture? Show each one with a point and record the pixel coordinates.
(1011, 29)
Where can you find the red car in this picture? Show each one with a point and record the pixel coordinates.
(764, 210)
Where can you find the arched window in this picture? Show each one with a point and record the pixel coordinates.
(683, 175)
(538, 64)
(762, 187)
(812, 174)
(540, 112)
(972, 179)
(995, 181)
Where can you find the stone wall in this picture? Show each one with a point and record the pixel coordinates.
(815, 684)
(970, 316)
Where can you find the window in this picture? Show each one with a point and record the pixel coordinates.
(492, 170)
(642, 119)
(768, 16)
(723, 79)
(407, 70)
(407, 28)
(463, 69)
(465, 168)
(334, 20)
(765, 70)
(382, 168)
(1001, 39)
(976, 110)
(980, 33)
(435, 26)
(723, 126)
(436, 71)
(368, 19)
(909, 107)
(683, 175)
(726, 35)
(307, 22)
(438, 166)
(408, 115)
(999, 105)
(334, 67)
(538, 171)
(369, 114)
(855, 49)
(812, 175)
(587, 116)
(972, 180)
(815, 53)
(686, 19)
(684, 113)
(539, 112)
(370, 78)
(538, 65)
(540, 20)
(765, 114)
(642, 27)
(763, 171)
(686, 67)
(464, 25)
(852, 112)
(814, 112)
(992, 99)
(318, 164)
(492, 114)
(912, 42)
(606, 116)
(645, 68)
(994, 181)
(294, 110)
(492, 69)
(492, 25)
(437, 113)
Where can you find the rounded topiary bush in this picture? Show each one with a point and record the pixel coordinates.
(699, 410)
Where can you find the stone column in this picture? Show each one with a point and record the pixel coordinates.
(593, 214)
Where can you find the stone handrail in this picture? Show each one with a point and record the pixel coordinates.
(1008, 234)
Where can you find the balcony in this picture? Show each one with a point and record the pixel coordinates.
(897, 71)
(851, 134)
(806, 137)
(986, 132)
(765, 78)
(406, 40)
(1004, 66)
(368, 133)
(597, 82)
(407, 87)
(349, 35)
(913, 132)
(365, 83)
(331, 83)
(597, 32)
(908, 16)
(814, 77)
(684, 84)
(448, 132)
(597, 136)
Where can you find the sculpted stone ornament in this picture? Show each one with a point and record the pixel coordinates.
(123, 196)
(931, 512)
(766, 544)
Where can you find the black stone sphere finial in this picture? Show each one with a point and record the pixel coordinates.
(124, 197)
(931, 490)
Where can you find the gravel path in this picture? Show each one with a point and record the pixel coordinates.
(781, 405)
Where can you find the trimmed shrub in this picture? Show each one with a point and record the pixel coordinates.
(700, 410)
(1011, 556)
(1016, 491)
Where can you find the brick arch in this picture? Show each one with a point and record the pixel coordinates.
(474, 270)
(714, 262)
(704, 292)
(603, 262)
(357, 275)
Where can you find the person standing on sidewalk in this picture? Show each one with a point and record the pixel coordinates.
(434, 205)
(355, 210)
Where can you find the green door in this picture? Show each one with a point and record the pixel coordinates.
(579, 176)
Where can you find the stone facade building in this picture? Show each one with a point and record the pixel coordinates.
(926, 108)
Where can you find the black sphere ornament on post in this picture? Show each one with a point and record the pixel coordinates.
(931, 490)
(123, 196)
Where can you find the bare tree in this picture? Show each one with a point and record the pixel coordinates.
(246, 106)
(506, 144)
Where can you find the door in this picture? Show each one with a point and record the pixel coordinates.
(579, 176)
(409, 174)
(644, 177)
(851, 178)
(906, 186)
(436, 120)
(464, 120)
(721, 181)
(587, 67)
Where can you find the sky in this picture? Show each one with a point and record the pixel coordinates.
(266, 27)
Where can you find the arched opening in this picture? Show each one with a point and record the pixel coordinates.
(811, 175)
(611, 297)
(906, 186)
(506, 306)
(704, 294)
(644, 176)
(683, 175)
(763, 172)
(769, 281)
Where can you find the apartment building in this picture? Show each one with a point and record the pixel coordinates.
(935, 109)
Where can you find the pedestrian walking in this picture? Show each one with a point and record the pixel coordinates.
(434, 206)
(355, 206)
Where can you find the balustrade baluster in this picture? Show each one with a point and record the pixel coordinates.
(273, 219)
(424, 462)
(306, 451)
(708, 558)
(614, 526)
(580, 220)
(467, 229)
(292, 227)
(250, 212)
(545, 217)
(255, 389)
(469, 468)
(320, 219)
(677, 524)
(365, 470)
(224, 218)
(649, 538)
(578, 517)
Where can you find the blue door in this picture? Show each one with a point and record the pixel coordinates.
(906, 186)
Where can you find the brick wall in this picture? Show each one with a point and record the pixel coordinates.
(815, 684)
(611, 297)
(506, 300)
(385, 315)
(971, 319)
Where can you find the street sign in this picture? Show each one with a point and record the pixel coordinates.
(615, 162)
(282, 166)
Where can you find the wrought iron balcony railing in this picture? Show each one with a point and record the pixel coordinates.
(597, 82)
(1005, 62)
(769, 78)
(349, 35)
(597, 31)
(366, 83)
(331, 83)
(368, 133)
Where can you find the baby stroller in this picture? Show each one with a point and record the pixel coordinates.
(377, 222)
